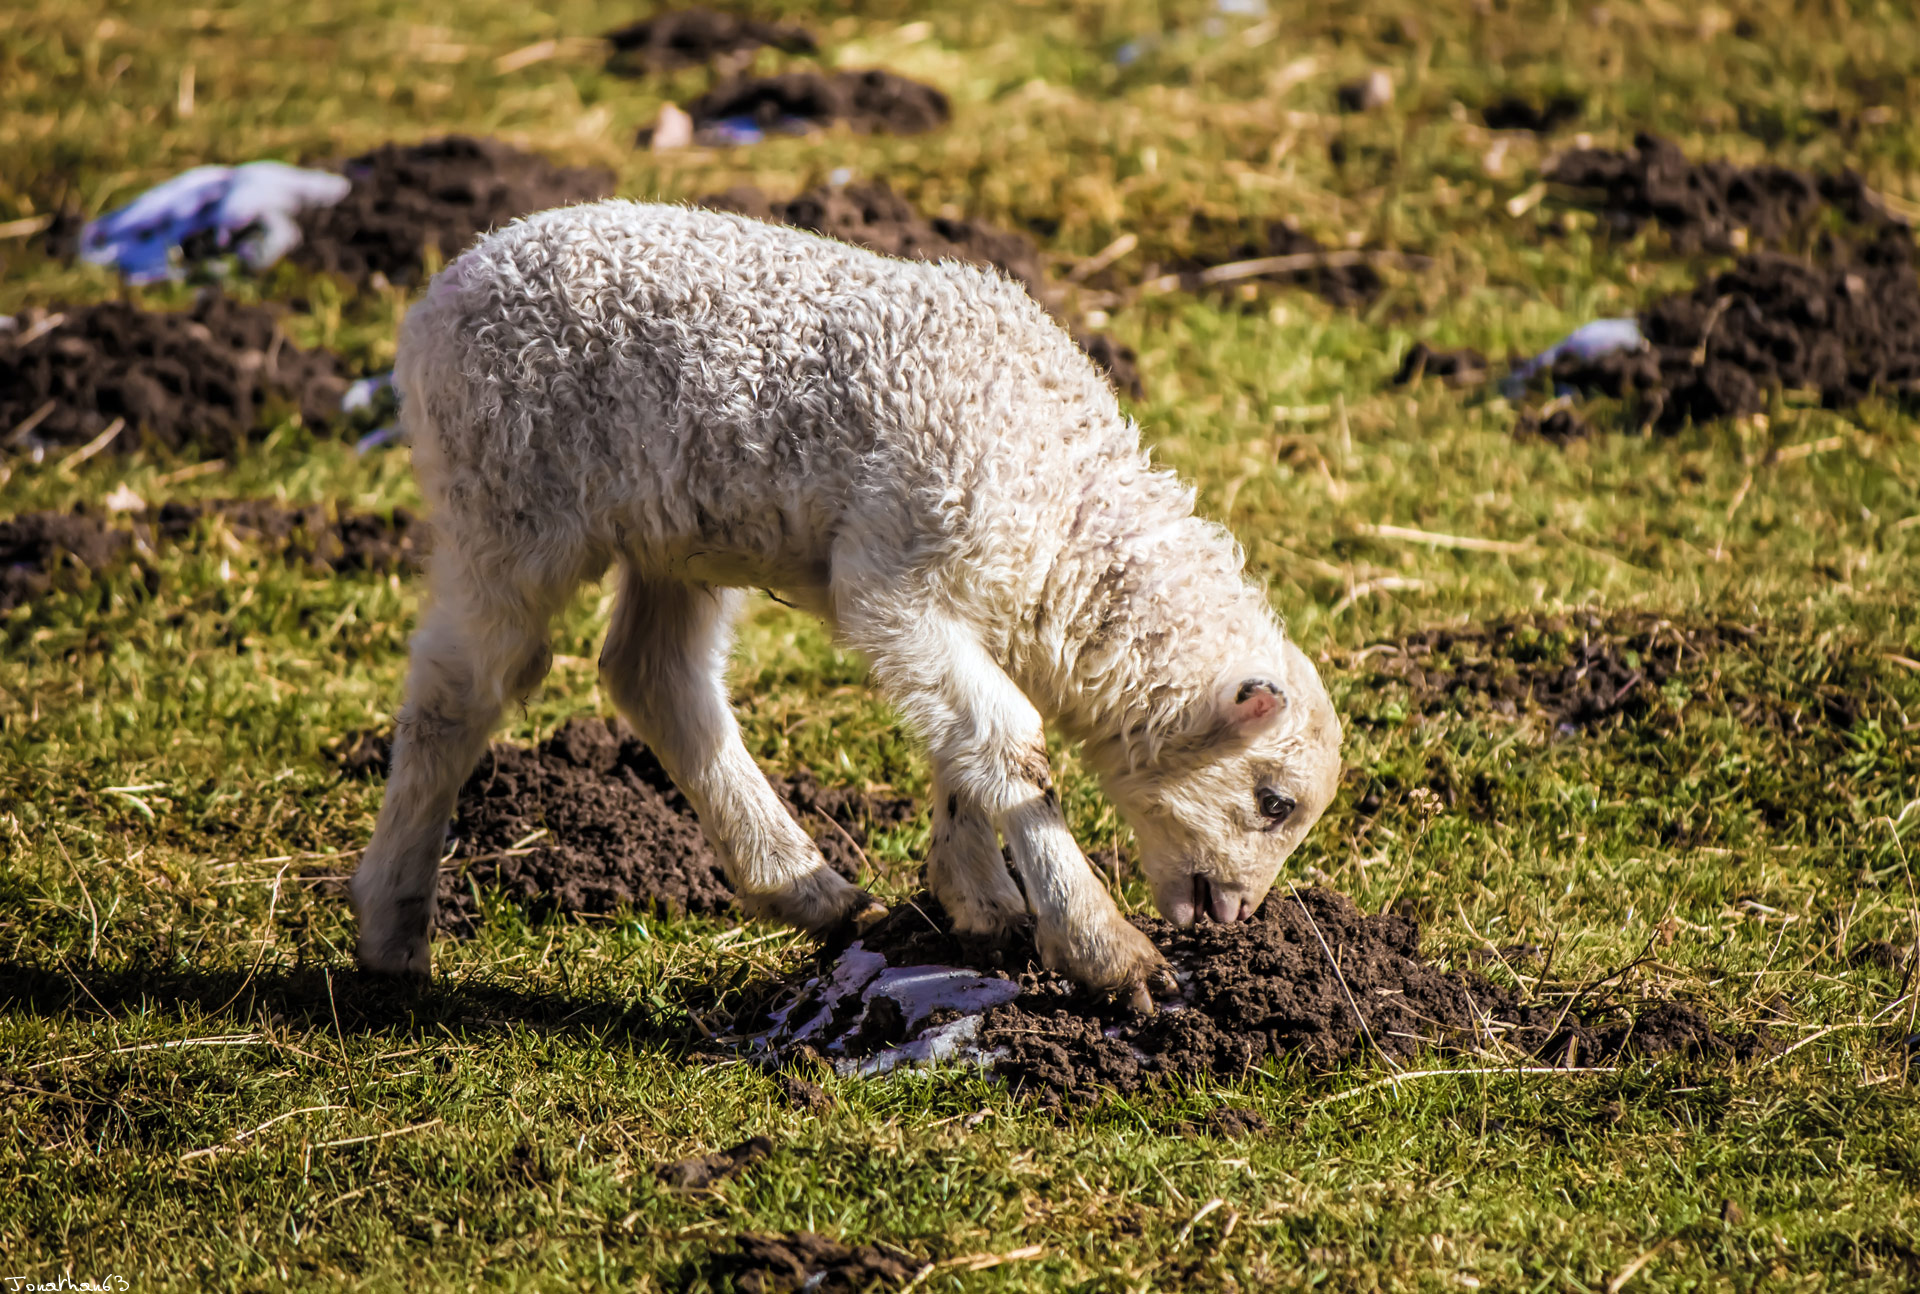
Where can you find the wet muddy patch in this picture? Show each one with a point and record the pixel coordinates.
(873, 216)
(210, 377)
(1310, 980)
(699, 35)
(439, 194)
(589, 822)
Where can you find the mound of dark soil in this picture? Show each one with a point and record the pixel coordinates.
(1576, 670)
(687, 37)
(1541, 116)
(588, 821)
(442, 193)
(875, 217)
(871, 101)
(205, 377)
(1846, 330)
(348, 541)
(1268, 989)
(801, 1260)
(1713, 205)
(42, 550)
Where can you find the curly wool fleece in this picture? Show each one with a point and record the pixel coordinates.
(915, 452)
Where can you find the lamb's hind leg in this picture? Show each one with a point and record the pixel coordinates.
(664, 664)
(481, 646)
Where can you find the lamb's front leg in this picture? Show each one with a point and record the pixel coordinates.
(988, 743)
(965, 869)
(664, 664)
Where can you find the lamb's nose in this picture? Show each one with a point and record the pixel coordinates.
(1227, 903)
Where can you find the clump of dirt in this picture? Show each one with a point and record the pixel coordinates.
(1230, 1123)
(1262, 990)
(42, 550)
(689, 37)
(1541, 116)
(875, 217)
(802, 1260)
(207, 376)
(1576, 670)
(1557, 423)
(1713, 205)
(348, 541)
(1466, 367)
(704, 1170)
(442, 193)
(1120, 362)
(1844, 331)
(588, 821)
(871, 101)
(802, 1095)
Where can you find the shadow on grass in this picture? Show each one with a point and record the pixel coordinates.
(323, 998)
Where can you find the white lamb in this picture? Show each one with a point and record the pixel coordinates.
(917, 454)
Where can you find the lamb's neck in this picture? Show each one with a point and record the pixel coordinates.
(1138, 623)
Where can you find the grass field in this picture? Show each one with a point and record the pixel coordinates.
(174, 981)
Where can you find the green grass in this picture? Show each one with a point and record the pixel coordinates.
(170, 979)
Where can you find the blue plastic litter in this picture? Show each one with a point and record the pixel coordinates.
(249, 208)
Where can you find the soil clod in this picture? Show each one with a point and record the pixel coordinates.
(802, 1260)
(689, 37)
(43, 550)
(802, 1095)
(1559, 424)
(439, 194)
(1230, 1123)
(1465, 367)
(208, 376)
(704, 1170)
(1540, 116)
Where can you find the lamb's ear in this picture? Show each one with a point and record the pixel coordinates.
(1250, 702)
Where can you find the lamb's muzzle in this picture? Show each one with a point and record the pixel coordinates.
(916, 453)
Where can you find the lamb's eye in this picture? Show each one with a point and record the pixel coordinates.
(1275, 807)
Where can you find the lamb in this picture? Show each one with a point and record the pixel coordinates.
(916, 453)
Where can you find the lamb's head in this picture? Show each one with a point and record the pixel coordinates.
(1217, 810)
